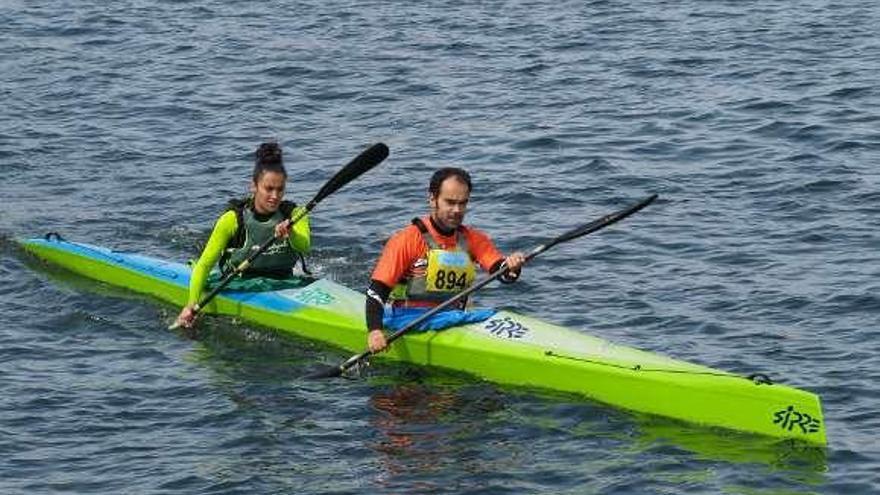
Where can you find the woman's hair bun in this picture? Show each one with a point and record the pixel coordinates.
(269, 154)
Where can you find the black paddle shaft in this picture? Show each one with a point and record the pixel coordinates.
(574, 233)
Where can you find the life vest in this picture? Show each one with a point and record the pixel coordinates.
(437, 275)
(278, 260)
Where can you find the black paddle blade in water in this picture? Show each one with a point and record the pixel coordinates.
(334, 371)
(371, 157)
(326, 372)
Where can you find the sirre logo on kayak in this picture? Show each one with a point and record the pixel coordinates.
(506, 328)
(789, 418)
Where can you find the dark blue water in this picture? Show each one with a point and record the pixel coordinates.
(129, 124)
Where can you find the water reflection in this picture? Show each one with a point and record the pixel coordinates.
(427, 431)
(427, 424)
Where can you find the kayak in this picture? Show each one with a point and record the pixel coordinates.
(508, 348)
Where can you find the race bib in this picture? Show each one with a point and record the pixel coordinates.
(449, 271)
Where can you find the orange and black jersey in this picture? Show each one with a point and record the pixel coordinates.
(404, 256)
(403, 251)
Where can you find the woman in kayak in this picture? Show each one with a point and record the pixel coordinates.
(247, 224)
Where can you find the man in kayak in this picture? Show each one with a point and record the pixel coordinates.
(246, 224)
(434, 258)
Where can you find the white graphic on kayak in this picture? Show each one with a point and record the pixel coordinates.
(506, 328)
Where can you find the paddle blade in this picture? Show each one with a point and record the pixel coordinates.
(326, 372)
(373, 156)
(601, 222)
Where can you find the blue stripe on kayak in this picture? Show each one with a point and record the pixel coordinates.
(268, 300)
(176, 273)
(171, 272)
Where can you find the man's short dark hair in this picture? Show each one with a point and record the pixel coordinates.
(445, 173)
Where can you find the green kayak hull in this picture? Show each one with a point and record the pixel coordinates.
(508, 348)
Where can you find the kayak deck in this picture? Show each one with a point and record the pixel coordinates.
(508, 348)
